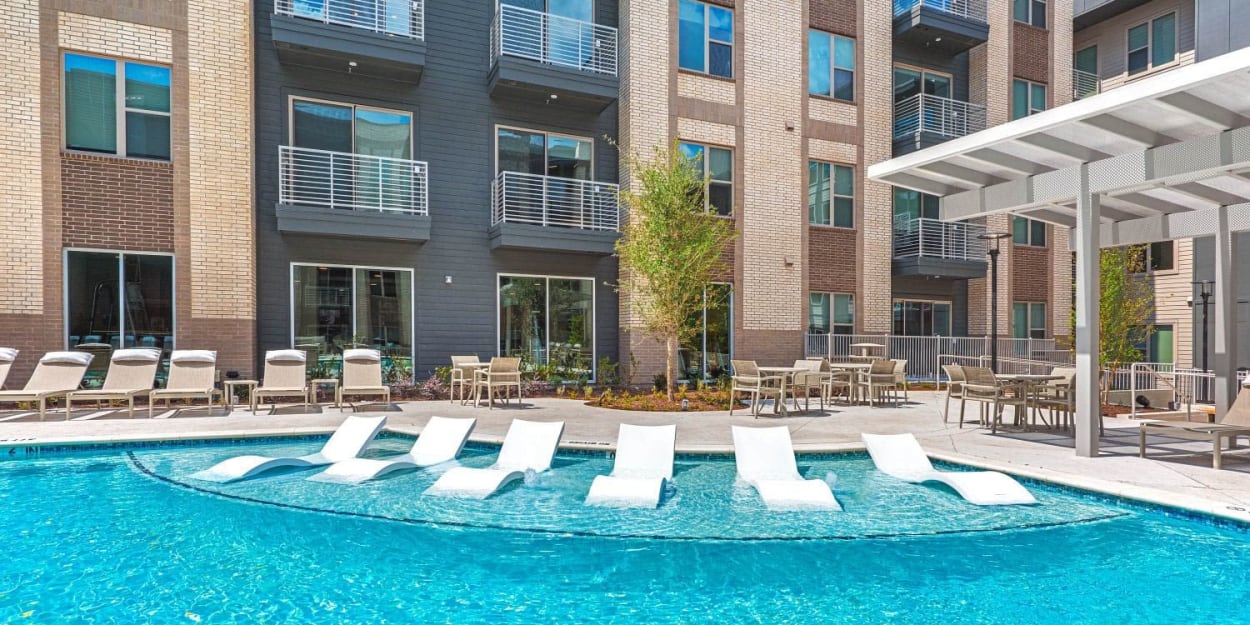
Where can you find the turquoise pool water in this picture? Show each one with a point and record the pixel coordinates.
(125, 537)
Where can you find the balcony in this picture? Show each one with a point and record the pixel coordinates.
(945, 27)
(352, 195)
(1084, 84)
(536, 55)
(378, 38)
(925, 120)
(529, 211)
(940, 249)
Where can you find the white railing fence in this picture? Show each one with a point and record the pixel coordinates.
(925, 354)
(1084, 84)
(974, 10)
(405, 18)
(942, 116)
(529, 34)
(347, 181)
(551, 201)
(935, 238)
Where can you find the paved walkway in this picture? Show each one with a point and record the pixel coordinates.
(1178, 472)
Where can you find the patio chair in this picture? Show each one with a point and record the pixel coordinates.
(131, 373)
(642, 465)
(900, 379)
(1234, 423)
(56, 375)
(528, 446)
(440, 441)
(881, 381)
(362, 376)
(983, 387)
(7, 356)
(462, 377)
(284, 377)
(348, 441)
(502, 374)
(747, 379)
(192, 375)
(954, 388)
(813, 379)
(765, 460)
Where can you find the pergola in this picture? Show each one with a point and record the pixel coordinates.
(1161, 158)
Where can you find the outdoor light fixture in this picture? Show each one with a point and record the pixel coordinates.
(993, 238)
(446, 279)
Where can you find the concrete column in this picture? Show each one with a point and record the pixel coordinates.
(1088, 406)
(1225, 347)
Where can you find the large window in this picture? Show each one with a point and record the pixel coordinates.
(549, 321)
(1028, 320)
(129, 117)
(831, 313)
(1161, 346)
(544, 153)
(909, 205)
(922, 318)
(1027, 98)
(348, 128)
(705, 38)
(1159, 256)
(350, 156)
(1152, 44)
(706, 354)
(716, 165)
(538, 36)
(830, 65)
(830, 194)
(1026, 231)
(119, 299)
(337, 307)
(1030, 12)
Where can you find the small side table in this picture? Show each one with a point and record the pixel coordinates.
(228, 386)
(333, 383)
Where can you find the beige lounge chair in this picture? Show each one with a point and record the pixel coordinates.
(1236, 422)
(57, 374)
(462, 377)
(747, 379)
(284, 377)
(131, 373)
(503, 373)
(192, 375)
(7, 356)
(362, 375)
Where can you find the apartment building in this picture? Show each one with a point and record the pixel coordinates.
(126, 218)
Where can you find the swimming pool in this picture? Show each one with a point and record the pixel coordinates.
(123, 536)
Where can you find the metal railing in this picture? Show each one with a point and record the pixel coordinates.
(546, 38)
(1084, 84)
(405, 18)
(935, 238)
(551, 201)
(347, 181)
(934, 114)
(926, 354)
(974, 10)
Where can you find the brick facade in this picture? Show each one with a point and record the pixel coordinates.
(831, 256)
(1030, 53)
(1030, 276)
(117, 203)
(834, 16)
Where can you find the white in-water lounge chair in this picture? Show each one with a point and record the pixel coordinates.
(529, 446)
(440, 441)
(347, 442)
(644, 462)
(900, 456)
(765, 458)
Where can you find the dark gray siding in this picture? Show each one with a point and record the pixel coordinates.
(454, 119)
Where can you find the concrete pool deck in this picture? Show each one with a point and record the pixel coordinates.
(1177, 473)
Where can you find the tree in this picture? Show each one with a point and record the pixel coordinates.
(670, 248)
(1126, 304)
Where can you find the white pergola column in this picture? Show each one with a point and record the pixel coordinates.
(1225, 296)
(1088, 405)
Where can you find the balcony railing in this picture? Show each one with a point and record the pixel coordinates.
(934, 238)
(346, 181)
(404, 18)
(968, 9)
(550, 201)
(547, 38)
(934, 114)
(1084, 84)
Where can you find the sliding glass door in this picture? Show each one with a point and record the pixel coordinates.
(548, 321)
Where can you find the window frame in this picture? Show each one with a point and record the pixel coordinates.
(707, 177)
(1150, 44)
(1030, 239)
(833, 68)
(1030, 325)
(831, 299)
(707, 40)
(121, 302)
(1030, 107)
(119, 75)
(833, 194)
(546, 147)
(594, 307)
(290, 122)
(933, 303)
(1148, 259)
(702, 332)
(412, 296)
(1031, 15)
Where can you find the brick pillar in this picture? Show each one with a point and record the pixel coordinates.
(874, 305)
(1060, 304)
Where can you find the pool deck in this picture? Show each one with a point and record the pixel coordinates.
(1177, 473)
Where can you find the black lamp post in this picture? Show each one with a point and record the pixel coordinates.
(1204, 291)
(993, 238)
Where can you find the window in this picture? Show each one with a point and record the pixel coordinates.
(544, 153)
(705, 36)
(323, 137)
(1030, 12)
(548, 30)
(921, 318)
(1152, 44)
(548, 320)
(1085, 78)
(909, 205)
(334, 307)
(706, 354)
(1160, 256)
(716, 165)
(100, 310)
(1026, 231)
(129, 117)
(1161, 346)
(830, 65)
(925, 111)
(1028, 320)
(830, 194)
(1027, 98)
(831, 313)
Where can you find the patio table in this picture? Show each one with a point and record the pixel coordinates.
(787, 376)
(1026, 385)
(857, 370)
